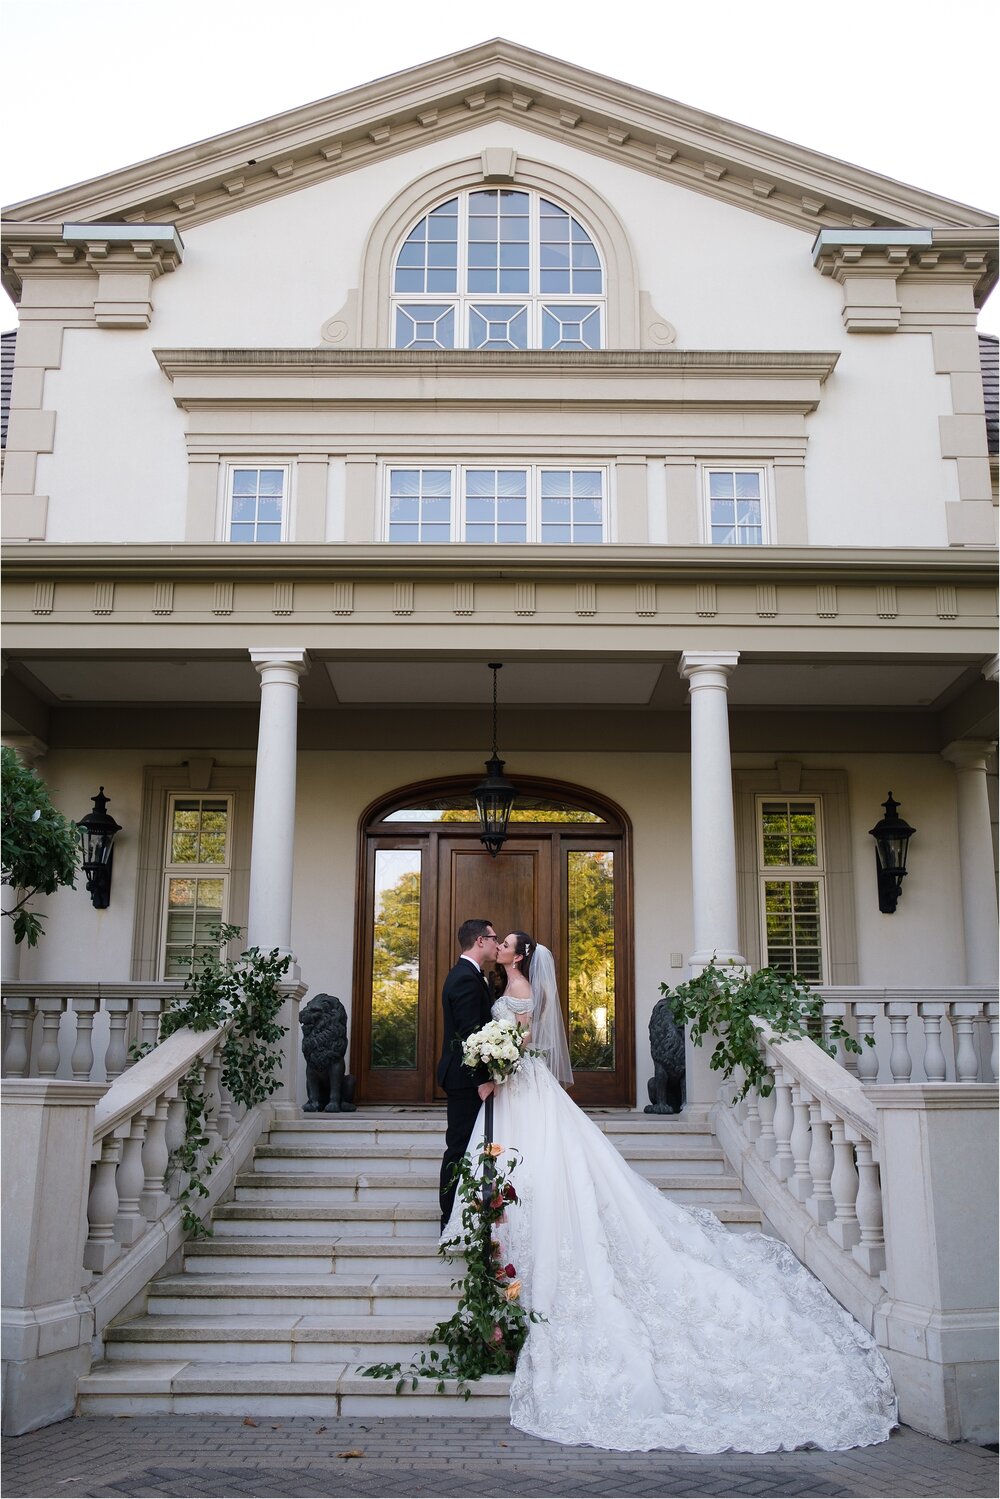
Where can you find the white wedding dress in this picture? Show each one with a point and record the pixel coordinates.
(662, 1329)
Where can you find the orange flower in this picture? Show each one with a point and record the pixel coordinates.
(513, 1291)
(495, 1150)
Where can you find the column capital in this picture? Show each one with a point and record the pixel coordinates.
(969, 754)
(697, 663)
(280, 659)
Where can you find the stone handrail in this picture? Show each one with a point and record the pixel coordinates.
(54, 1029)
(932, 1035)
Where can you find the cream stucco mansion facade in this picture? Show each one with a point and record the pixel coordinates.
(500, 360)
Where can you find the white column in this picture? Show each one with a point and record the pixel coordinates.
(975, 852)
(713, 832)
(273, 852)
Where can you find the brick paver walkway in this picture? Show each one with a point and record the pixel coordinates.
(211, 1457)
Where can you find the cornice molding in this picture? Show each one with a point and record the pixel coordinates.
(859, 261)
(731, 564)
(499, 79)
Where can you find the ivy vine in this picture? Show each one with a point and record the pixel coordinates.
(727, 1003)
(246, 993)
(488, 1329)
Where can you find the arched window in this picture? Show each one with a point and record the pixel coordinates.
(498, 268)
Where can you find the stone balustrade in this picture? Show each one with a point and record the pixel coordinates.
(94, 1163)
(864, 1181)
(921, 1035)
(84, 1032)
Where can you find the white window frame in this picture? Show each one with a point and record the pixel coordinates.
(793, 873)
(763, 470)
(227, 480)
(174, 871)
(535, 300)
(534, 470)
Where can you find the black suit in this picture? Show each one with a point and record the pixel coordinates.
(466, 1002)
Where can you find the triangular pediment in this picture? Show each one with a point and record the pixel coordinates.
(497, 79)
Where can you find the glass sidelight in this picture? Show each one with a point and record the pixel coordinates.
(590, 889)
(395, 959)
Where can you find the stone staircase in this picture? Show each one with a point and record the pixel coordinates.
(327, 1259)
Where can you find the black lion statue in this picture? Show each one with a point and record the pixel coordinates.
(666, 1040)
(329, 1086)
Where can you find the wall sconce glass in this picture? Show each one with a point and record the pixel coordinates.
(98, 832)
(892, 839)
(494, 795)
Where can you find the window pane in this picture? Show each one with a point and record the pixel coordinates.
(747, 486)
(245, 481)
(792, 921)
(396, 958)
(720, 486)
(194, 908)
(591, 948)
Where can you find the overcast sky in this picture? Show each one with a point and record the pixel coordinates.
(92, 85)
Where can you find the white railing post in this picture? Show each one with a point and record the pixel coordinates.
(82, 1060)
(102, 1248)
(963, 1024)
(932, 1015)
(867, 1059)
(938, 1325)
(130, 1223)
(820, 1204)
(116, 1056)
(870, 1251)
(993, 1019)
(900, 1061)
(47, 1135)
(800, 1141)
(155, 1198)
(782, 1162)
(765, 1142)
(149, 1010)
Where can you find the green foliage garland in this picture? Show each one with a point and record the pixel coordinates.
(40, 847)
(247, 992)
(489, 1327)
(728, 1002)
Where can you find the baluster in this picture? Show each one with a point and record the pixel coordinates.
(225, 1122)
(101, 1248)
(843, 1227)
(870, 1253)
(155, 1198)
(20, 1012)
(800, 1141)
(820, 1204)
(213, 1101)
(849, 1061)
(751, 1123)
(963, 1022)
(130, 1223)
(117, 1053)
(82, 1060)
(174, 1134)
(51, 1010)
(149, 1020)
(867, 1059)
(782, 1162)
(900, 1061)
(766, 1104)
(932, 1016)
(993, 1020)
(834, 1010)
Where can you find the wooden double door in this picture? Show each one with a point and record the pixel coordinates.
(567, 887)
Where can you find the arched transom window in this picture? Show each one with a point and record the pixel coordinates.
(498, 268)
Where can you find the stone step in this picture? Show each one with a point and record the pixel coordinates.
(377, 1127)
(282, 1339)
(384, 1186)
(378, 1295)
(376, 1159)
(315, 1256)
(183, 1387)
(419, 1221)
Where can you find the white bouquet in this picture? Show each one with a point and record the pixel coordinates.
(498, 1046)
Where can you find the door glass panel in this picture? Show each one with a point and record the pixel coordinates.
(396, 958)
(591, 907)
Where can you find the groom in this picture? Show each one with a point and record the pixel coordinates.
(466, 1001)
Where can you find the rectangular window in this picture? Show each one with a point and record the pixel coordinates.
(736, 503)
(590, 905)
(792, 886)
(257, 503)
(196, 878)
(498, 505)
(396, 958)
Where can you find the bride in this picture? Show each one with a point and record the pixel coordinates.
(661, 1329)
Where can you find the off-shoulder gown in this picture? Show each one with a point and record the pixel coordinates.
(662, 1329)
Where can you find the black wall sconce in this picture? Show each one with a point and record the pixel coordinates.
(892, 839)
(494, 795)
(98, 832)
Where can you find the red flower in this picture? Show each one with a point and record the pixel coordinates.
(509, 1271)
(509, 1193)
(497, 1202)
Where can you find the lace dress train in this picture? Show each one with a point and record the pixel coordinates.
(662, 1329)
